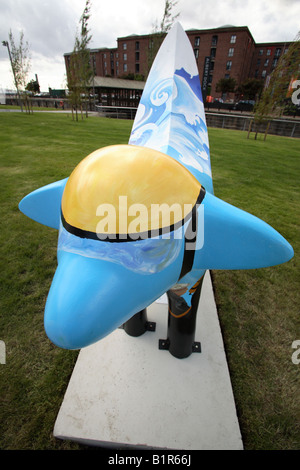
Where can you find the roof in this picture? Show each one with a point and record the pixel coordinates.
(269, 44)
(97, 49)
(222, 29)
(228, 26)
(108, 82)
(218, 28)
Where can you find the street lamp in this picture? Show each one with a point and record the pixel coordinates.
(6, 44)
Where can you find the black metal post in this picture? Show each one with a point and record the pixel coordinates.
(180, 340)
(138, 324)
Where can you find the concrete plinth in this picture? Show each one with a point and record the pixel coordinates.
(125, 391)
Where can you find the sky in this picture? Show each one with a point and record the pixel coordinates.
(50, 26)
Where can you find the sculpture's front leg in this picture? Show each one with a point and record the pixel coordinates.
(182, 321)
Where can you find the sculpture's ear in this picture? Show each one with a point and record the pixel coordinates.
(229, 238)
(43, 205)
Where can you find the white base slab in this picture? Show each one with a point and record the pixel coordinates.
(124, 391)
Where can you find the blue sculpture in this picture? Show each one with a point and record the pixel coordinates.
(138, 220)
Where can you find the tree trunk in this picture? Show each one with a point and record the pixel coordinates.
(267, 130)
(257, 130)
(249, 128)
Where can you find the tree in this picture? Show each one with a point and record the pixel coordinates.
(86, 71)
(167, 19)
(33, 86)
(20, 64)
(226, 85)
(72, 79)
(251, 88)
(277, 87)
(159, 31)
(80, 71)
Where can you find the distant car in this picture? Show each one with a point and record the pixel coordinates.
(244, 105)
(42, 95)
(247, 102)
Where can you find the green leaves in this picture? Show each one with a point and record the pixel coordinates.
(20, 60)
(80, 72)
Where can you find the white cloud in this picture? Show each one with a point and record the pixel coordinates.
(50, 26)
(268, 21)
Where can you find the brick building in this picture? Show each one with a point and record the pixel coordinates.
(265, 58)
(228, 51)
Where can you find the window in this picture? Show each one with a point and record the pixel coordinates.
(196, 52)
(137, 56)
(137, 45)
(258, 62)
(227, 75)
(233, 39)
(213, 52)
(230, 52)
(268, 51)
(104, 55)
(124, 46)
(274, 63)
(125, 67)
(228, 65)
(261, 51)
(214, 40)
(125, 56)
(266, 63)
(197, 41)
(264, 73)
(277, 52)
(137, 68)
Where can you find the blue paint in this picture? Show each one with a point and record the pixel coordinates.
(99, 285)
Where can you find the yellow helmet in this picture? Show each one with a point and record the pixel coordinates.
(131, 181)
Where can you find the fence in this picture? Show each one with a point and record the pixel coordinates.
(116, 112)
(288, 127)
(284, 127)
(281, 126)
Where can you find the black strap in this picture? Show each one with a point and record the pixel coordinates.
(190, 238)
(134, 237)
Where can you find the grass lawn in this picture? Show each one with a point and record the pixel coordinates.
(34, 108)
(258, 309)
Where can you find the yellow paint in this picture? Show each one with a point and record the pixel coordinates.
(195, 286)
(129, 178)
(181, 314)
